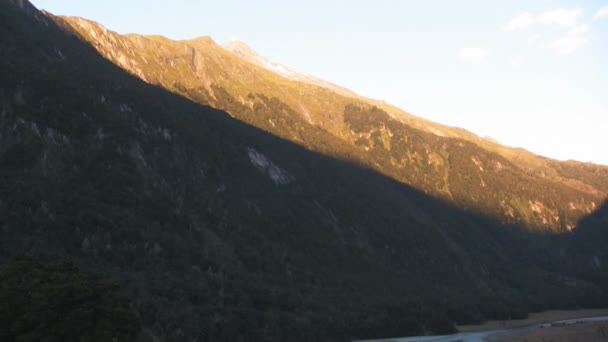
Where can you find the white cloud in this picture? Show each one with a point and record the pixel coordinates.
(574, 36)
(533, 38)
(560, 17)
(520, 22)
(579, 30)
(602, 13)
(575, 39)
(473, 54)
(516, 62)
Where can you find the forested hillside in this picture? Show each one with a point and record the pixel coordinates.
(198, 223)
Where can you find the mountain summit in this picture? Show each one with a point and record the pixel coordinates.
(242, 50)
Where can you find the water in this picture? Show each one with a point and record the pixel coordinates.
(481, 336)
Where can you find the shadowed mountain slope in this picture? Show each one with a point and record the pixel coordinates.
(220, 231)
(587, 247)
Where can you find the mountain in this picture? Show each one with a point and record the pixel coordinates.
(319, 102)
(511, 185)
(252, 221)
(242, 50)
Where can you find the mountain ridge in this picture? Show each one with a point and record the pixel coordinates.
(416, 121)
(210, 74)
(241, 49)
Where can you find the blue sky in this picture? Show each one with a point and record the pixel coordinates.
(529, 74)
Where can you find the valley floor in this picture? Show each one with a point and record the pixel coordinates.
(534, 319)
(554, 326)
(587, 332)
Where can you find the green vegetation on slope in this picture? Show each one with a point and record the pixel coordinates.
(474, 178)
(58, 302)
(513, 186)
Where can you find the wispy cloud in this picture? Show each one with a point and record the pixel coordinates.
(560, 17)
(473, 54)
(520, 22)
(574, 39)
(573, 35)
(602, 13)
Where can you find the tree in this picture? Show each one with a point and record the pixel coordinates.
(55, 301)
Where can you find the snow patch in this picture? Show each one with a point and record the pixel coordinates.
(278, 68)
(262, 163)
